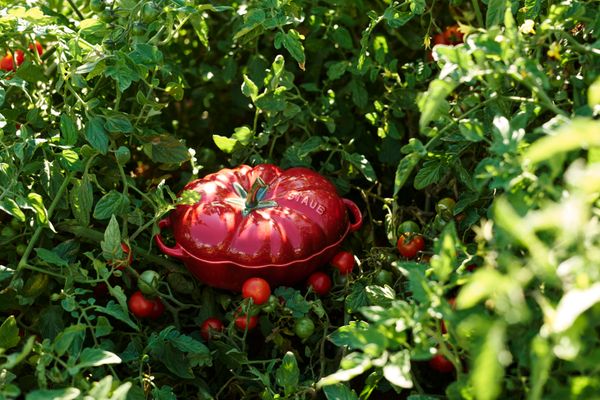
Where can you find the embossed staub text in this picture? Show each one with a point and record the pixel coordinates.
(308, 201)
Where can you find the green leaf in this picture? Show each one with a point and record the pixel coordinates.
(294, 301)
(225, 144)
(54, 394)
(431, 172)
(481, 286)
(249, 88)
(541, 363)
(253, 19)
(487, 372)
(580, 133)
(352, 365)
(84, 200)
(418, 6)
(112, 203)
(51, 257)
(125, 71)
(397, 370)
(380, 295)
(336, 69)
(12, 208)
(433, 103)
(111, 244)
(444, 260)
(293, 44)
(68, 130)
(288, 375)
(70, 340)
(357, 298)
(339, 391)
(360, 335)
(103, 327)
(119, 312)
(166, 149)
(495, 13)
(9, 333)
(360, 162)
(360, 96)
(37, 204)
(404, 169)
(93, 357)
(342, 37)
(201, 28)
(96, 135)
(118, 123)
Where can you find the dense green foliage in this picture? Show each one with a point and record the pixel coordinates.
(130, 100)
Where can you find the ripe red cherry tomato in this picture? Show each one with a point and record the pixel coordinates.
(344, 262)
(453, 35)
(157, 309)
(441, 364)
(38, 47)
(209, 327)
(258, 289)
(244, 322)
(439, 38)
(19, 57)
(141, 306)
(409, 247)
(320, 283)
(6, 63)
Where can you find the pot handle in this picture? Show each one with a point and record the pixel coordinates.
(176, 251)
(355, 213)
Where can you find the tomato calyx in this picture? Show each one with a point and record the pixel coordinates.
(253, 199)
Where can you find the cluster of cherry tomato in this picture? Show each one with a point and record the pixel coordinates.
(10, 62)
(259, 291)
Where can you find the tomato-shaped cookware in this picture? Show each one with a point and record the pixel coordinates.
(265, 222)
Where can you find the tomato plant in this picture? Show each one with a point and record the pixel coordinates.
(343, 262)
(463, 132)
(257, 289)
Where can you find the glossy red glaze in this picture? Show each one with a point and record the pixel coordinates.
(297, 225)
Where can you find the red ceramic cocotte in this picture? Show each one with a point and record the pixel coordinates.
(265, 222)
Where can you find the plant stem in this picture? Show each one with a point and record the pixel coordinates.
(36, 235)
(478, 13)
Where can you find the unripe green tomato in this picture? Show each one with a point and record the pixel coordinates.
(149, 13)
(304, 327)
(15, 224)
(97, 5)
(87, 151)
(445, 208)
(138, 29)
(408, 227)
(20, 249)
(384, 277)
(8, 232)
(122, 155)
(148, 282)
(108, 15)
